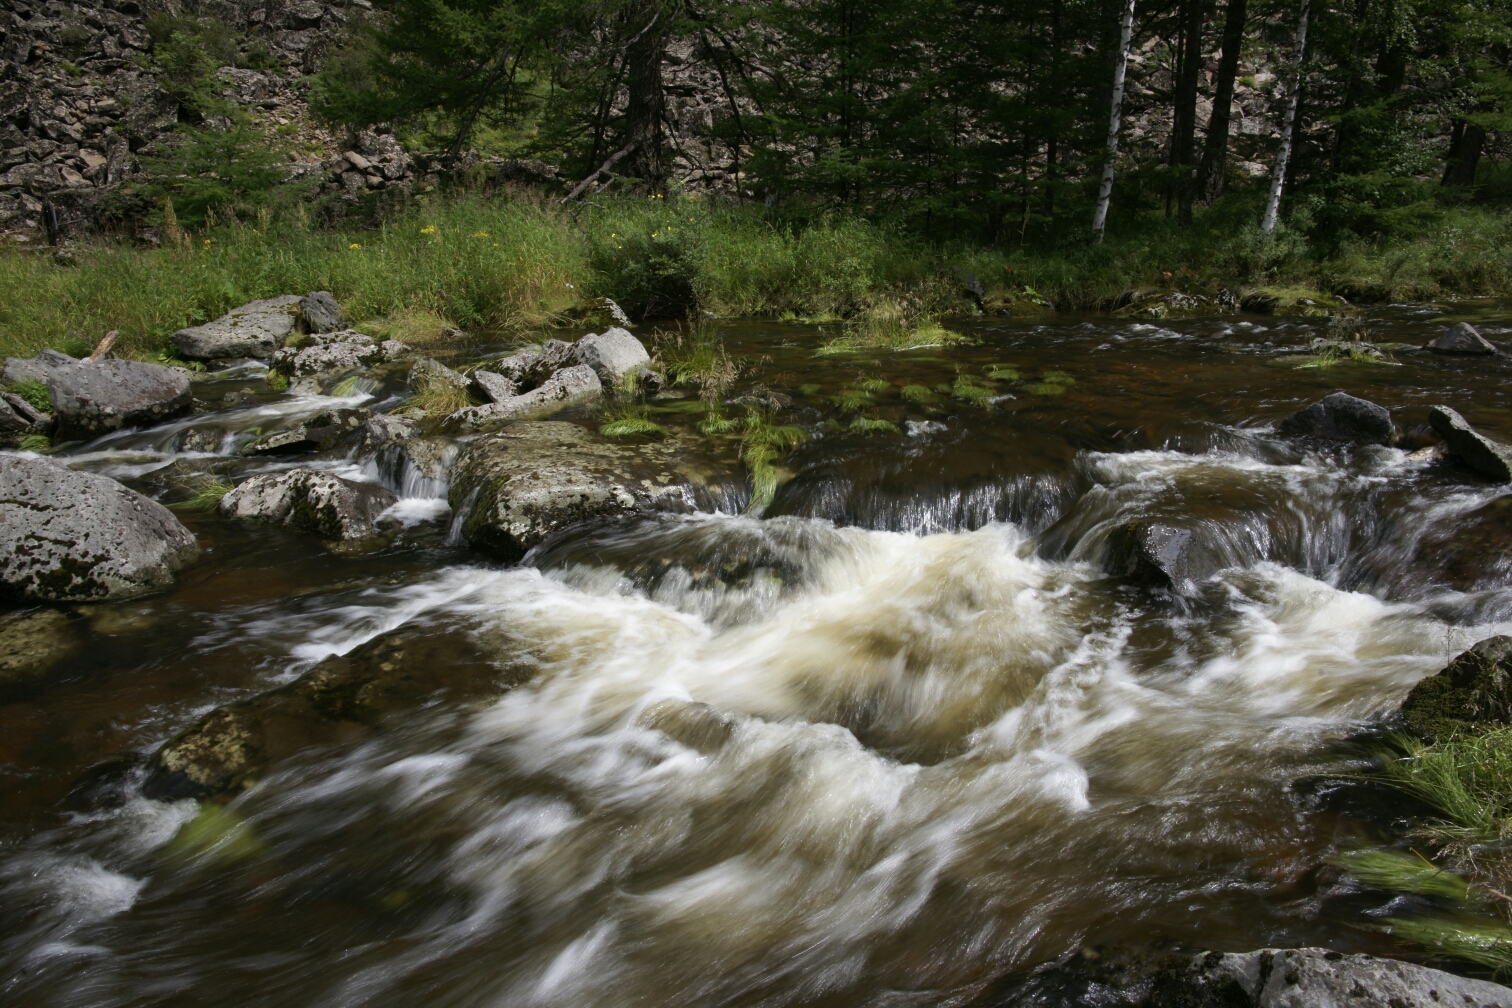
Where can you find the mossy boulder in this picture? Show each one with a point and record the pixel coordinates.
(338, 701)
(1472, 692)
(33, 643)
(1291, 301)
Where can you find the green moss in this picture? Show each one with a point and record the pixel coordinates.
(851, 400)
(217, 833)
(276, 381)
(1003, 372)
(810, 389)
(919, 394)
(871, 425)
(971, 389)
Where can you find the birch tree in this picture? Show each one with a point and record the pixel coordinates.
(1288, 125)
(1120, 68)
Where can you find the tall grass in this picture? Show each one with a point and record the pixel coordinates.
(518, 261)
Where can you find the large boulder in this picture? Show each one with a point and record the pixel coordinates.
(568, 387)
(612, 354)
(334, 508)
(1487, 457)
(76, 535)
(1462, 338)
(256, 329)
(38, 368)
(234, 745)
(513, 489)
(93, 399)
(1316, 978)
(321, 313)
(1341, 417)
(1473, 691)
(332, 354)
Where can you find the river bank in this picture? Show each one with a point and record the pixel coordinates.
(518, 262)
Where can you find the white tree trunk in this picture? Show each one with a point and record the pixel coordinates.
(1105, 189)
(1288, 126)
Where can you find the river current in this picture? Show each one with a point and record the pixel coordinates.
(896, 741)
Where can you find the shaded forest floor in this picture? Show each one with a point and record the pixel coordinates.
(519, 262)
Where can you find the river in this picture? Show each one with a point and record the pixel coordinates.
(897, 741)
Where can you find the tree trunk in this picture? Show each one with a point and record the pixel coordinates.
(1120, 68)
(646, 105)
(1184, 122)
(1464, 154)
(1208, 184)
(1288, 126)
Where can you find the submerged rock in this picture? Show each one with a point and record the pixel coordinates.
(321, 313)
(1462, 338)
(78, 535)
(334, 508)
(568, 387)
(256, 329)
(1487, 457)
(336, 701)
(612, 354)
(1473, 690)
(38, 368)
(33, 643)
(93, 399)
(318, 433)
(515, 488)
(1341, 417)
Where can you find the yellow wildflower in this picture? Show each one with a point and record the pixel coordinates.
(354, 245)
(481, 234)
(428, 229)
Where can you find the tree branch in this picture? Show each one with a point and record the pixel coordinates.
(602, 169)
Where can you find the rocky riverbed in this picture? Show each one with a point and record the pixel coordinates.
(704, 667)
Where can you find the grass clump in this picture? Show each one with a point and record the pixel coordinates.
(969, 388)
(205, 494)
(872, 425)
(762, 445)
(35, 394)
(415, 326)
(436, 397)
(633, 426)
(36, 443)
(919, 394)
(1467, 779)
(851, 400)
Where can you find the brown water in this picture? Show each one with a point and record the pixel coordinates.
(896, 741)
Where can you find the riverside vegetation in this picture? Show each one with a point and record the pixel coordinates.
(518, 262)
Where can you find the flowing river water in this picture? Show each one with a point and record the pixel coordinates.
(897, 741)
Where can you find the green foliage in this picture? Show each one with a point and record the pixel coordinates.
(632, 427)
(277, 382)
(205, 494)
(36, 443)
(970, 388)
(851, 400)
(1404, 871)
(229, 168)
(763, 444)
(919, 394)
(35, 394)
(871, 425)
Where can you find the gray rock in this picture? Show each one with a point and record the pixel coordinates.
(555, 355)
(381, 428)
(494, 387)
(518, 367)
(568, 387)
(327, 355)
(612, 354)
(334, 508)
(39, 368)
(234, 745)
(1318, 978)
(1471, 693)
(77, 535)
(1462, 338)
(1487, 457)
(93, 399)
(1341, 417)
(417, 466)
(206, 440)
(514, 488)
(256, 329)
(427, 370)
(1158, 555)
(321, 313)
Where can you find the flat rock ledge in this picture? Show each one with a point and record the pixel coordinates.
(75, 536)
(513, 489)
